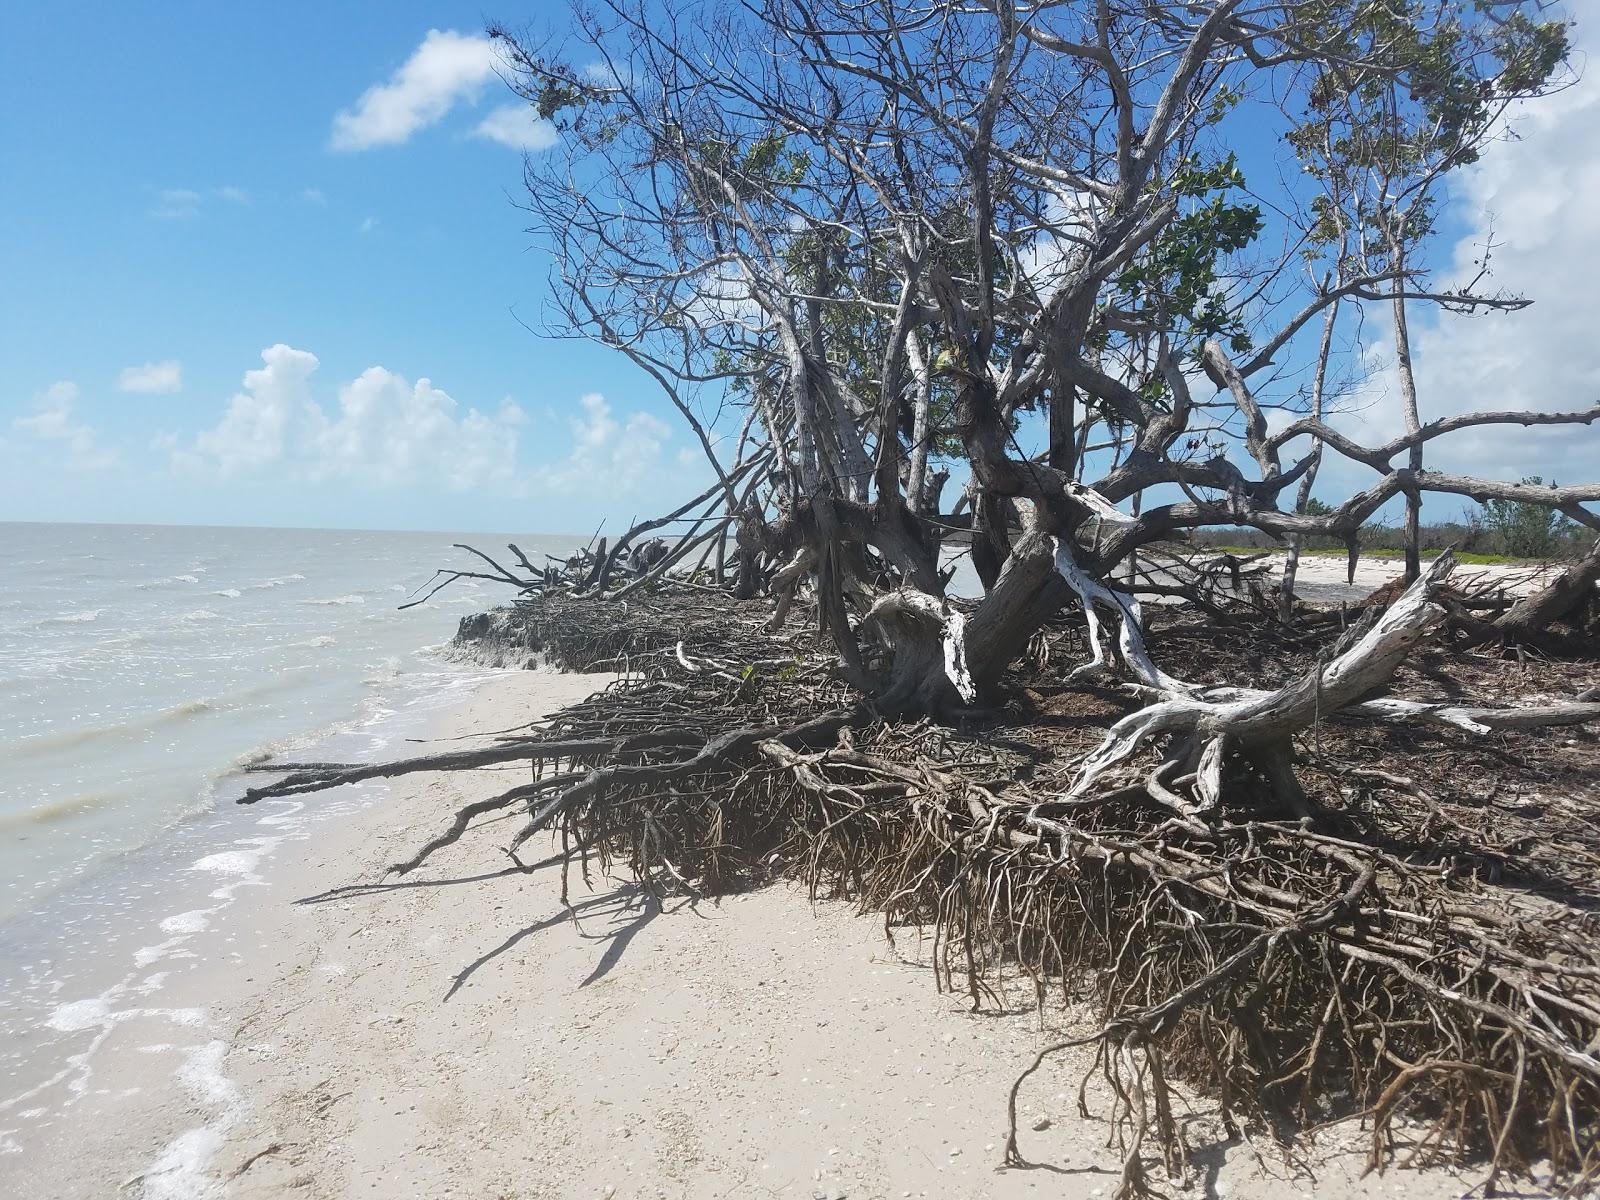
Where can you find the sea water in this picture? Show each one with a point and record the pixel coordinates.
(140, 669)
(140, 665)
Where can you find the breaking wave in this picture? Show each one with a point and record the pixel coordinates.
(74, 618)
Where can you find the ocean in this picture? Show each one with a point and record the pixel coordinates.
(141, 665)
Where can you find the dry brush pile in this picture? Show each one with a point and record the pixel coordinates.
(1417, 947)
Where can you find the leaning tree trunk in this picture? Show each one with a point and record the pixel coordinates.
(1291, 563)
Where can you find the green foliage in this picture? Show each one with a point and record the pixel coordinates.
(1525, 529)
(1177, 276)
(1437, 78)
(1316, 508)
(760, 167)
(556, 97)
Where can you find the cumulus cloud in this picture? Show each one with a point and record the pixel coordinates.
(606, 452)
(381, 431)
(1533, 194)
(517, 126)
(54, 420)
(1067, 216)
(154, 378)
(720, 296)
(447, 68)
(262, 421)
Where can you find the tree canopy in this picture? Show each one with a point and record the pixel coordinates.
(853, 239)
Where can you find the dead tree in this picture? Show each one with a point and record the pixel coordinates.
(857, 242)
(866, 234)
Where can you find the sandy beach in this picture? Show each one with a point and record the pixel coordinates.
(675, 599)
(1321, 578)
(460, 1033)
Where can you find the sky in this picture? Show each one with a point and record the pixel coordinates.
(1535, 196)
(263, 265)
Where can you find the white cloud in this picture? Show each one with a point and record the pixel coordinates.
(233, 195)
(54, 419)
(1069, 216)
(52, 413)
(1535, 195)
(445, 69)
(616, 455)
(368, 224)
(517, 126)
(382, 431)
(720, 295)
(154, 378)
(177, 204)
(315, 196)
(262, 421)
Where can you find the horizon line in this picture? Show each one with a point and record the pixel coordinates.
(289, 528)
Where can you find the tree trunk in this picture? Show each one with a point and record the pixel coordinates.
(989, 549)
(1027, 593)
(1063, 422)
(1408, 397)
(926, 671)
(1291, 564)
(916, 477)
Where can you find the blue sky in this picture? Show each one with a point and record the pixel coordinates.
(263, 265)
(174, 194)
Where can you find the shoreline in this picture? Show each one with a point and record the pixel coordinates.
(1321, 578)
(459, 1033)
(386, 708)
(139, 944)
(142, 661)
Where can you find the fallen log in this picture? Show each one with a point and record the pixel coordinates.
(1572, 589)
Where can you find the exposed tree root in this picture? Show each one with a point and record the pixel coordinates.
(1374, 954)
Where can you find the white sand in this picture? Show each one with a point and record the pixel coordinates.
(1372, 572)
(756, 1047)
